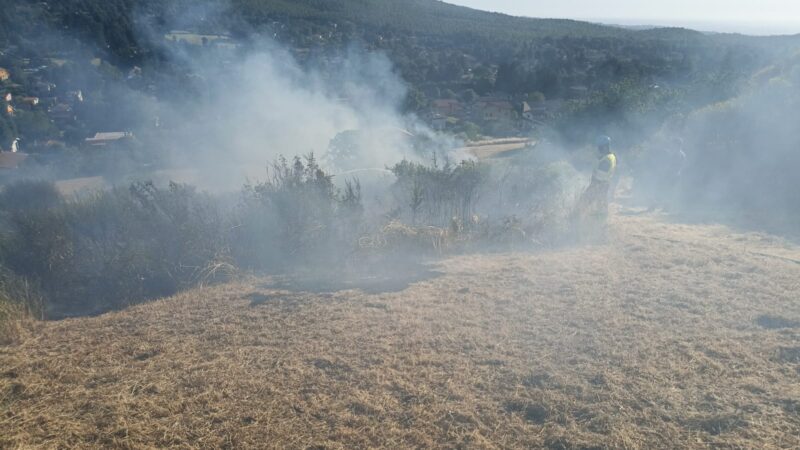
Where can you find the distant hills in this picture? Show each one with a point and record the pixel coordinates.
(117, 25)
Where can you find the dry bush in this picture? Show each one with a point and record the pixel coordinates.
(20, 303)
(398, 237)
(433, 195)
(529, 200)
(13, 322)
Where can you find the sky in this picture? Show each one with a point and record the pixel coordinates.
(743, 16)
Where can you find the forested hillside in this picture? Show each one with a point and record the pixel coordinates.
(574, 76)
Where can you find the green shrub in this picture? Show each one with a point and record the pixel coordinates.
(28, 195)
(515, 201)
(107, 250)
(296, 215)
(116, 248)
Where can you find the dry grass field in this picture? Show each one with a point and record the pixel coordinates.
(670, 336)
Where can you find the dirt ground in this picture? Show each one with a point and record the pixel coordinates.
(670, 336)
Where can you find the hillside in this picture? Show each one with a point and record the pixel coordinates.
(443, 52)
(114, 21)
(671, 336)
(423, 17)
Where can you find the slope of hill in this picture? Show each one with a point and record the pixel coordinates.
(116, 23)
(431, 17)
(672, 336)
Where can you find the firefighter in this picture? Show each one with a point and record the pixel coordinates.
(606, 165)
(593, 205)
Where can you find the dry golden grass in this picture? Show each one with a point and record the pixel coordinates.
(15, 322)
(77, 186)
(669, 336)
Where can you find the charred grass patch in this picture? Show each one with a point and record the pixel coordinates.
(717, 424)
(789, 354)
(531, 412)
(776, 322)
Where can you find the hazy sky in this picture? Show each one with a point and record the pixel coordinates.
(746, 16)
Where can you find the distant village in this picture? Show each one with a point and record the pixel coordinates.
(493, 114)
(500, 114)
(26, 88)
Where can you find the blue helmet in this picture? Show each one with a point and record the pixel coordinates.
(603, 141)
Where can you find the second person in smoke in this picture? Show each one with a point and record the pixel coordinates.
(664, 171)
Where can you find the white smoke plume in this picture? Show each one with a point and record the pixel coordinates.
(256, 104)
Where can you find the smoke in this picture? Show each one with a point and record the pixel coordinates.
(213, 110)
(263, 105)
(741, 156)
(239, 105)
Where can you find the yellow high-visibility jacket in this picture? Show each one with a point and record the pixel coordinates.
(606, 168)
